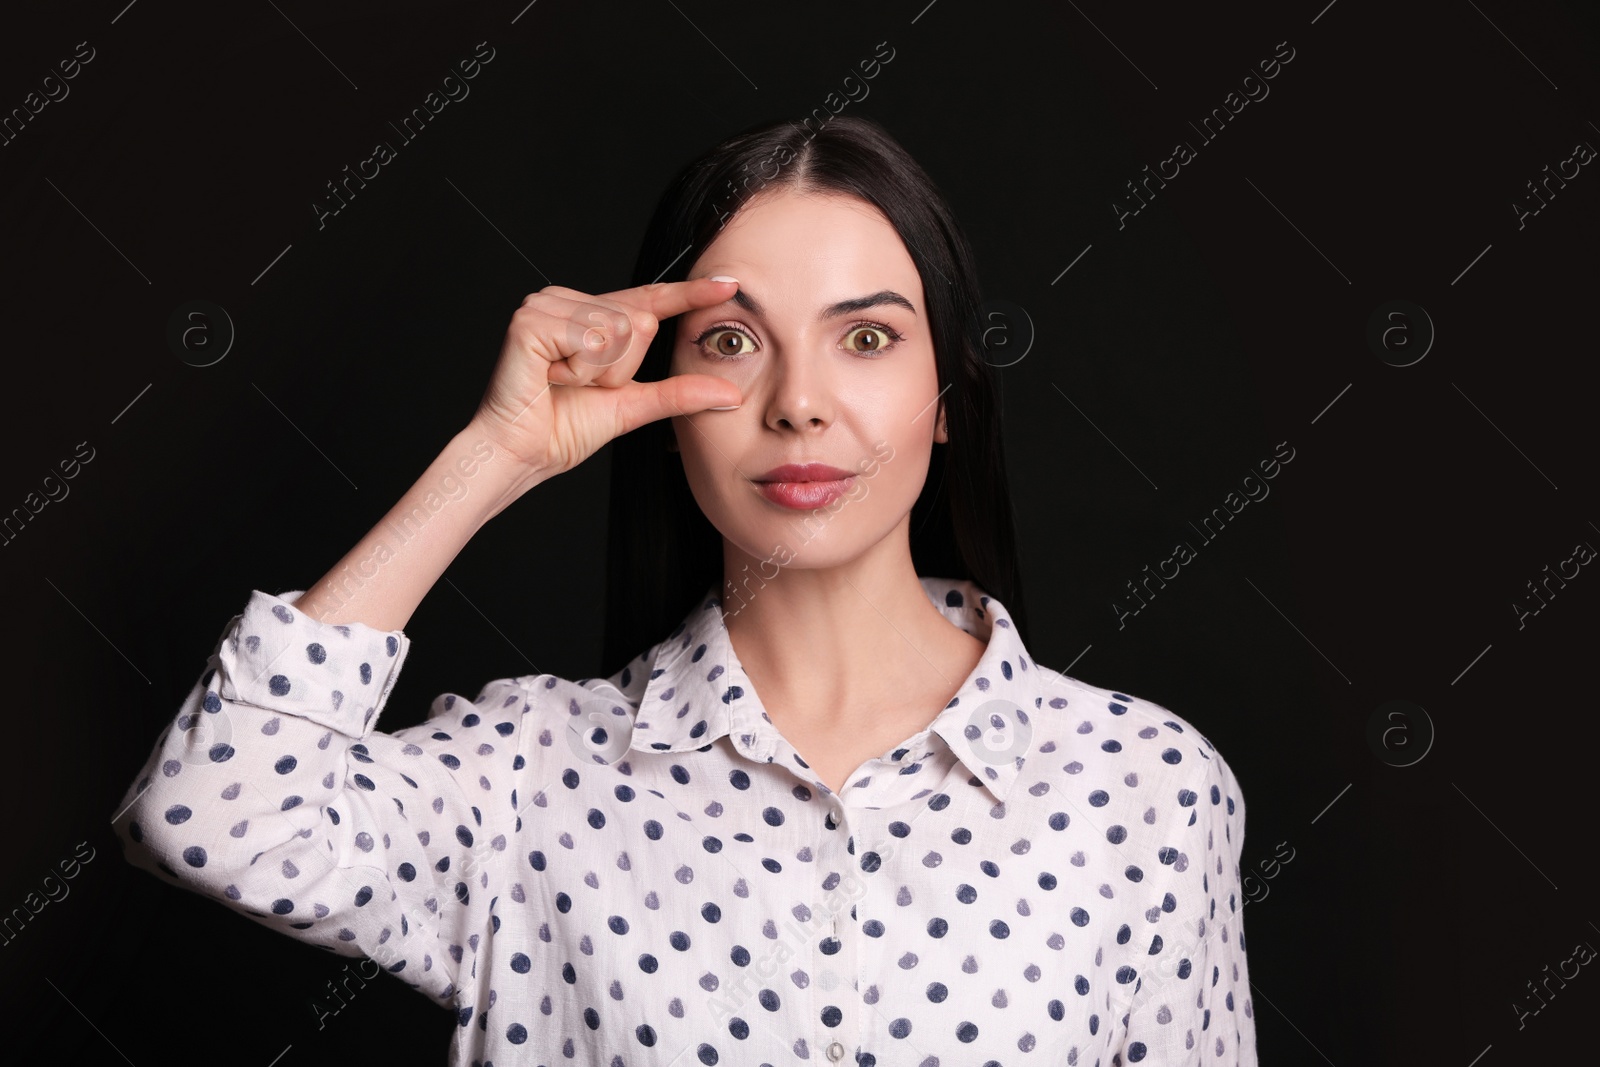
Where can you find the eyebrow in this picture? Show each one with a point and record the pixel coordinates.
(882, 298)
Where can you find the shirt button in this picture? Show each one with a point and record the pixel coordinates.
(835, 1051)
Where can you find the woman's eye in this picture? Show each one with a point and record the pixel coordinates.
(872, 339)
(725, 342)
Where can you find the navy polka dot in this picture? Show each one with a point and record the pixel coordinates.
(1048, 873)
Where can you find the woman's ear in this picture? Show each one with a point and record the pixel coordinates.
(941, 433)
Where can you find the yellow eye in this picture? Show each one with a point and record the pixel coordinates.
(877, 339)
(724, 342)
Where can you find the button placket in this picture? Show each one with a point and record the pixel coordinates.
(842, 993)
(834, 996)
(876, 901)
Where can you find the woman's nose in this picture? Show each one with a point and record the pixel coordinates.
(802, 392)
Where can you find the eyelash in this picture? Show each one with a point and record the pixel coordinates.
(895, 337)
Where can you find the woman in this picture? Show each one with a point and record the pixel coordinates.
(837, 811)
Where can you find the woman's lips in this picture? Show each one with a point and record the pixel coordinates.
(803, 485)
(804, 495)
(803, 472)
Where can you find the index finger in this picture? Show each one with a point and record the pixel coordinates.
(666, 299)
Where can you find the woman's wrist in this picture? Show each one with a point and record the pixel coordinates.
(498, 477)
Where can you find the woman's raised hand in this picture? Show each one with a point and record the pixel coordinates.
(563, 385)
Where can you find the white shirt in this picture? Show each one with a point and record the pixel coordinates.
(642, 870)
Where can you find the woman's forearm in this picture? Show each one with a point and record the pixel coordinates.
(384, 577)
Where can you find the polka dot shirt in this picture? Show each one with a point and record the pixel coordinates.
(641, 870)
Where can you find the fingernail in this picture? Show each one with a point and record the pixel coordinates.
(723, 278)
(730, 407)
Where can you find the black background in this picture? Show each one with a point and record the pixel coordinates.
(1229, 315)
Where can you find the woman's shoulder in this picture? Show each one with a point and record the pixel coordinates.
(553, 691)
(593, 717)
(1122, 720)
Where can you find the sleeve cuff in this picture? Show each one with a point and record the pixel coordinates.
(338, 675)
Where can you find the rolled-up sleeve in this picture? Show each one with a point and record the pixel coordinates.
(1193, 1006)
(273, 793)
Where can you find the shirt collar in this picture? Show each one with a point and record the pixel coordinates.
(987, 725)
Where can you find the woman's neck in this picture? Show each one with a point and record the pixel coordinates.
(831, 649)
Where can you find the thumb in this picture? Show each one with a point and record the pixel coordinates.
(681, 394)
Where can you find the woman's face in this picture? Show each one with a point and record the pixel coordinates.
(828, 341)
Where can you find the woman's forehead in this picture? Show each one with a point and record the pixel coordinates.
(804, 251)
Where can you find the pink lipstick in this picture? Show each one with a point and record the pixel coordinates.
(803, 485)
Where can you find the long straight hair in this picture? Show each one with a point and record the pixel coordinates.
(662, 552)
